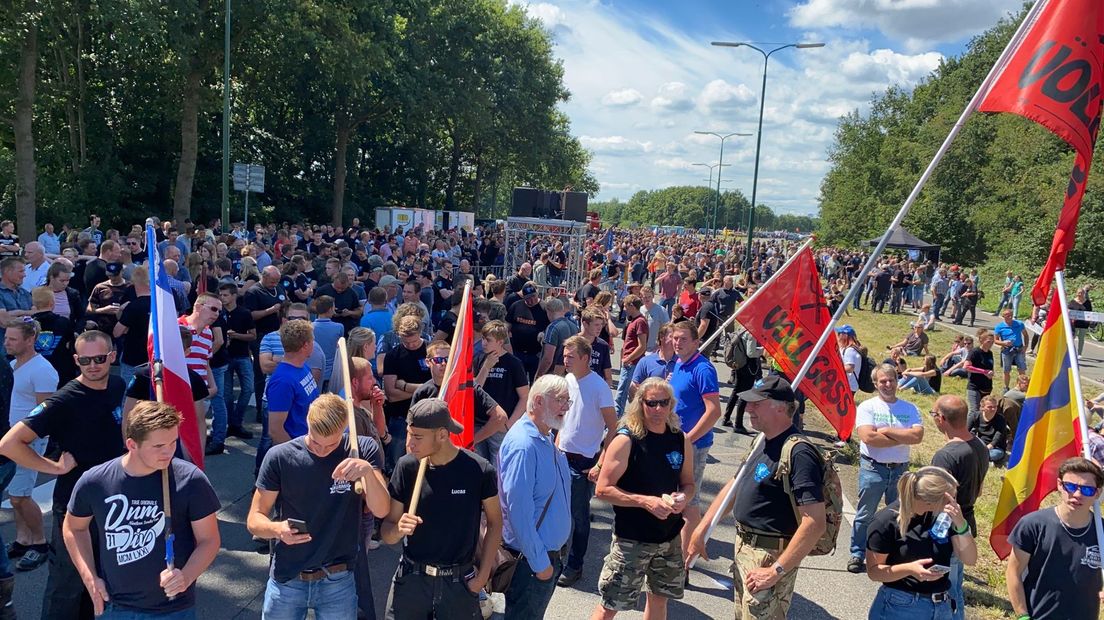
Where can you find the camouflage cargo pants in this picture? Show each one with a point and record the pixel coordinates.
(769, 604)
(631, 563)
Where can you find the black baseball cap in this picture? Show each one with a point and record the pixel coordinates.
(528, 290)
(432, 413)
(772, 387)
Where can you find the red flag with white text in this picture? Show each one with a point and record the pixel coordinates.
(1055, 77)
(787, 317)
(458, 385)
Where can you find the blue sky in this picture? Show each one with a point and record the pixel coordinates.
(643, 78)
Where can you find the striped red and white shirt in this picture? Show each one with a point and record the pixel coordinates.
(198, 356)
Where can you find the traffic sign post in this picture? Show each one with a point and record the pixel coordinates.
(248, 178)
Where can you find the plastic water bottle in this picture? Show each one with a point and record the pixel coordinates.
(941, 527)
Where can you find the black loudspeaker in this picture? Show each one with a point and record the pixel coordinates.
(553, 209)
(525, 202)
(574, 206)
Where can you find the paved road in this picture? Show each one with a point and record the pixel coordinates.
(233, 587)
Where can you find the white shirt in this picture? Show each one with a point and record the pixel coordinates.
(852, 356)
(36, 375)
(583, 426)
(880, 414)
(35, 277)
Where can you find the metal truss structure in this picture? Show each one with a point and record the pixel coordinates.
(522, 231)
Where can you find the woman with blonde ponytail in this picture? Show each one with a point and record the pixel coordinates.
(907, 558)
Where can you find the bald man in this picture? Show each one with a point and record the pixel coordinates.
(36, 267)
(263, 302)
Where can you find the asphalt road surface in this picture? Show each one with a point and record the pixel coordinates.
(233, 587)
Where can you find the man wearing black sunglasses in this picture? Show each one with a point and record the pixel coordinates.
(1054, 570)
(84, 419)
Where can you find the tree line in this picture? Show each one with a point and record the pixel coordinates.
(115, 107)
(692, 206)
(994, 198)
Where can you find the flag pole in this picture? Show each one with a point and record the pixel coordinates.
(748, 301)
(158, 380)
(982, 90)
(449, 369)
(350, 415)
(1079, 398)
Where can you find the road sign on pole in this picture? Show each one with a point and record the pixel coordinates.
(248, 178)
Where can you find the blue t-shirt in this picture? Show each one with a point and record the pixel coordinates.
(292, 389)
(1012, 333)
(326, 335)
(692, 381)
(651, 366)
(379, 321)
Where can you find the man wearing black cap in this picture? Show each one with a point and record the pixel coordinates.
(527, 321)
(771, 539)
(438, 575)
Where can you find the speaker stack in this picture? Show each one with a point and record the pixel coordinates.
(549, 205)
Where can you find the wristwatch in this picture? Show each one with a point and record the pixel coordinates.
(778, 569)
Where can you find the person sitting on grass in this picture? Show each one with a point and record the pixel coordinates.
(924, 379)
(953, 364)
(926, 318)
(991, 428)
(916, 343)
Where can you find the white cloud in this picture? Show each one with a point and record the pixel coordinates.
(623, 97)
(614, 145)
(553, 16)
(720, 95)
(675, 163)
(917, 23)
(881, 66)
(673, 97)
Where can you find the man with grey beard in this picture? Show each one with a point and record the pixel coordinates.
(534, 490)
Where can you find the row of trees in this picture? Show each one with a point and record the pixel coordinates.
(692, 206)
(995, 196)
(115, 107)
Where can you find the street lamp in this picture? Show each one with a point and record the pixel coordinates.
(711, 167)
(225, 214)
(759, 137)
(720, 164)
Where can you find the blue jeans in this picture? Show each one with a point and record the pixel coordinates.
(528, 596)
(218, 406)
(996, 455)
(393, 451)
(956, 576)
(668, 304)
(331, 598)
(582, 490)
(937, 304)
(114, 612)
(891, 604)
(624, 379)
(875, 481)
(241, 367)
(920, 384)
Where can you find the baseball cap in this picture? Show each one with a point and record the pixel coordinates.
(432, 413)
(846, 329)
(375, 260)
(528, 290)
(114, 268)
(772, 387)
(388, 280)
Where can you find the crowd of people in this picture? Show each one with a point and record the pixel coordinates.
(261, 312)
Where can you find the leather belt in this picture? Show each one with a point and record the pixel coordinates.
(414, 568)
(876, 462)
(762, 541)
(319, 574)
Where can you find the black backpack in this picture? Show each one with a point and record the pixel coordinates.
(866, 369)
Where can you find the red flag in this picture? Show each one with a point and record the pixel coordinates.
(787, 317)
(458, 386)
(1055, 77)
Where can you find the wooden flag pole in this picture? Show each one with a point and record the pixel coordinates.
(159, 393)
(350, 413)
(449, 369)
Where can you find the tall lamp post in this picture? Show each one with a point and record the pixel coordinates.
(720, 164)
(226, 125)
(759, 135)
(710, 180)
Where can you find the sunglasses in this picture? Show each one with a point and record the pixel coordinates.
(85, 360)
(662, 402)
(1073, 487)
(439, 360)
(934, 413)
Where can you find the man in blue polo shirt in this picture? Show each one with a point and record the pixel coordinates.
(658, 364)
(1011, 336)
(291, 388)
(698, 405)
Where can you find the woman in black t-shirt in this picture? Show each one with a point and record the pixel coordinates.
(979, 366)
(905, 556)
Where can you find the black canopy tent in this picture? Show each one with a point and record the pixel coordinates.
(903, 239)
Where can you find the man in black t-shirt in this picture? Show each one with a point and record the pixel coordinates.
(527, 320)
(442, 292)
(263, 302)
(967, 458)
(124, 501)
(589, 290)
(404, 369)
(55, 341)
(347, 308)
(309, 482)
(979, 365)
(490, 419)
(84, 420)
(133, 325)
(500, 372)
(438, 569)
(240, 333)
(766, 563)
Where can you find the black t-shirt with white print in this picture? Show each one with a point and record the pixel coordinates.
(129, 518)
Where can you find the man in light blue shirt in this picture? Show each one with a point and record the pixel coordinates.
(534, 489)
(51, 244)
